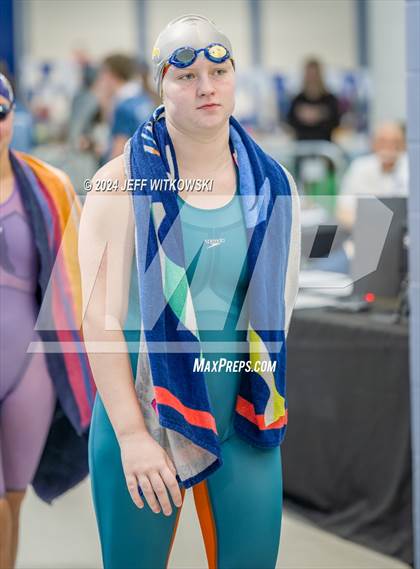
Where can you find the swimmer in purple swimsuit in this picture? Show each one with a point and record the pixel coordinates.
(26, 389)
(26, 385)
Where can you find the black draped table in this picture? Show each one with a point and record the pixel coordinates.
(347, 452)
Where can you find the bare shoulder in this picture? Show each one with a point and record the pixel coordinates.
(111, 172)
(108, 206)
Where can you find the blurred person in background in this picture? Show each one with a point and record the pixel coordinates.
(85, 106)
(383, 173)
(314, 112)
(125, 98)
(45, 397)
(314, 115)
(87, 128)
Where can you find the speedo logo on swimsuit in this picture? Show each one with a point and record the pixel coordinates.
(214, 242)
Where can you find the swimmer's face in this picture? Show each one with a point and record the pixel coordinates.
(200, 97)
(6, 126)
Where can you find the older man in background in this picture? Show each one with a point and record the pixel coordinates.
(384, 173)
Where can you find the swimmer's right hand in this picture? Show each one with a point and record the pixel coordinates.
(146, 464)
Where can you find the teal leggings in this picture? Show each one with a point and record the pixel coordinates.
(239, 506)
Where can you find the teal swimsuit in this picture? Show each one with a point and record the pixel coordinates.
(244, 496)
(213, 279)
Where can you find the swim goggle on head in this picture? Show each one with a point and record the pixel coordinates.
(6, 92)
(185, 56)
(183, 39)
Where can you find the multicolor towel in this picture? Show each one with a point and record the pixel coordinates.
(54, 211)
(173, 397)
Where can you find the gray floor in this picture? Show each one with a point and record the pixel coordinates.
(64, 536)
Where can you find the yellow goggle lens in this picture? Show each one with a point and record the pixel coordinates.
(217, 51)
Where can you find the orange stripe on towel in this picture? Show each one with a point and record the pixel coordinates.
(193, 416)
(246, 409)
(151, 150)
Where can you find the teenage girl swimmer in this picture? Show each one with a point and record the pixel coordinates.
(35, 387)
(134, 478)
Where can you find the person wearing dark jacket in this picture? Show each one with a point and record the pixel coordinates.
(314, 112)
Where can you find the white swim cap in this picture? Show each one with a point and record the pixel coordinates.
(190, 30)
